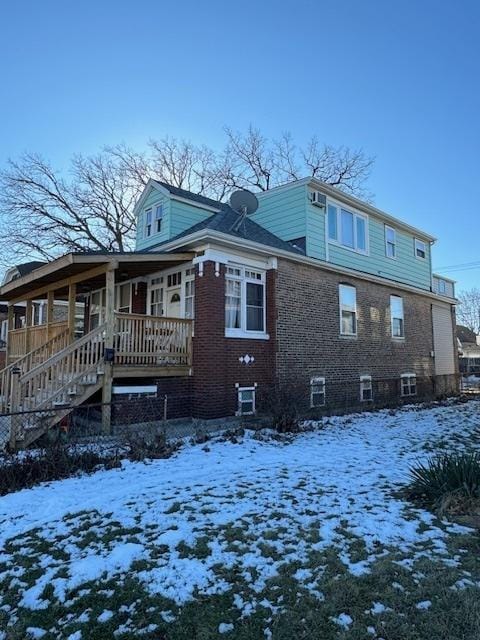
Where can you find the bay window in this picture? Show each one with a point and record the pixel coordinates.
(347, 228)
(348, 310)
(244, 301)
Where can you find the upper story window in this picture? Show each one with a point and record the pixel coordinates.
(396, 315)
(158, 217)
(420, 249)
(148, 222)
(347, 228)
(348, 310)
(390, 242)
(442, 286)
(244, 301)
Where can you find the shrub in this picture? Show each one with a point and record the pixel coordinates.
(449, 481)
(284, 404)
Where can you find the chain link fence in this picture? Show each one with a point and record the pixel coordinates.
(171, 414)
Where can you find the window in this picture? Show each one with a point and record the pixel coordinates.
(158, 217)
(246, 401)
(442, 286)
(148, 222)
(244, 301)
(390, 242)
(408, 384)
(366, 393)
(122, 297)
(332, 222)
(190, 293)
(420, 249)
(347, 228)
(348, 310)
(156, 302)
(174, 279)
(317, 392)
(97, 308)
(396, 314)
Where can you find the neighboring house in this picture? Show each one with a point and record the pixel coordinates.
(216, 305)
(468, 351)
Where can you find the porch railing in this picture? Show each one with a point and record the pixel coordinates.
(152, 341)
(27, 339)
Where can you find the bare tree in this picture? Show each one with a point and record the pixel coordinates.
(468, 310)
(45, 212)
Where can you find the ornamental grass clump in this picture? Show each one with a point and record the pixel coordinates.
(447, 482)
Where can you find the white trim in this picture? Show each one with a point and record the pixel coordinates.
(151, 184)
(244, 280)
(366, 378)
(402, 337)
(340, 306)
(195, 204)
(409, 376)
(355, 214)
(123, 390)
(239, 401)
(207, 235)
(394, 257)
(415, 247)
(319, 381)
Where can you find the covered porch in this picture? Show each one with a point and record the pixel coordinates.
(125, 330)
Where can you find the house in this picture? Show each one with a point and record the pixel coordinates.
(218, 303)
(468, 351)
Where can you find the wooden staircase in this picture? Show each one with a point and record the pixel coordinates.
(42, 396)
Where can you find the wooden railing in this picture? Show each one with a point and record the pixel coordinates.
(26, 363)
(40, 387)
(152, 341)
(27, 339)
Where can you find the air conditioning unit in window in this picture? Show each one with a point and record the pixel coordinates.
(318, 199)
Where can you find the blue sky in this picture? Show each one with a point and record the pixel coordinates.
(399, 79)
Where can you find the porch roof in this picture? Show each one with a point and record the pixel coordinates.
(87, 271)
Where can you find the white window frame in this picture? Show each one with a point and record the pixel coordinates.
(244, 279)
(187, 274)
(392, 317)
(117, 296)
(339, 240)
(343, 306)
(442, 286)
(417, 245)
(366, 385)
(188, 277)
(317, 381)
(408, 377)
(240, 390)
(392, 243)
(148, 225)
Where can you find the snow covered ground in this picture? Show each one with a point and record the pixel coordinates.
(243, 524)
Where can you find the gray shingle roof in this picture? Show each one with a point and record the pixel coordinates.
(189, 195)
(230, 222)
(27, 267)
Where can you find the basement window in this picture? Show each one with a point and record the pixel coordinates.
(408, 384)
(317, 392)
(366, 393)
(246, 401)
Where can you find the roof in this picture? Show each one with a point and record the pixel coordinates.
(27, 267)
(466, 335)
(189, 195)
(232, 223)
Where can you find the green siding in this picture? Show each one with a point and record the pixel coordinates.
(184, 215)
(283, 212)
(289, 214)
(315, 231)
(153, 198)
(404, 268)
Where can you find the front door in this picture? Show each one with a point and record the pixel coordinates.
(173, 303)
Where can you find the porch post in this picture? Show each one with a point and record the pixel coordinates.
(10, 327)
(109, 333)
(50, 301)
(72, 299)
(28, 324)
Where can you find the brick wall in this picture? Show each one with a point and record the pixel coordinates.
(216, 365)
(308, 335)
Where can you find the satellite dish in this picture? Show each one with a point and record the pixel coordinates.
(244, 202)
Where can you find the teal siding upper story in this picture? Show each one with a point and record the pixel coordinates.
(289, 212)
(176, 217)
(333, 227)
